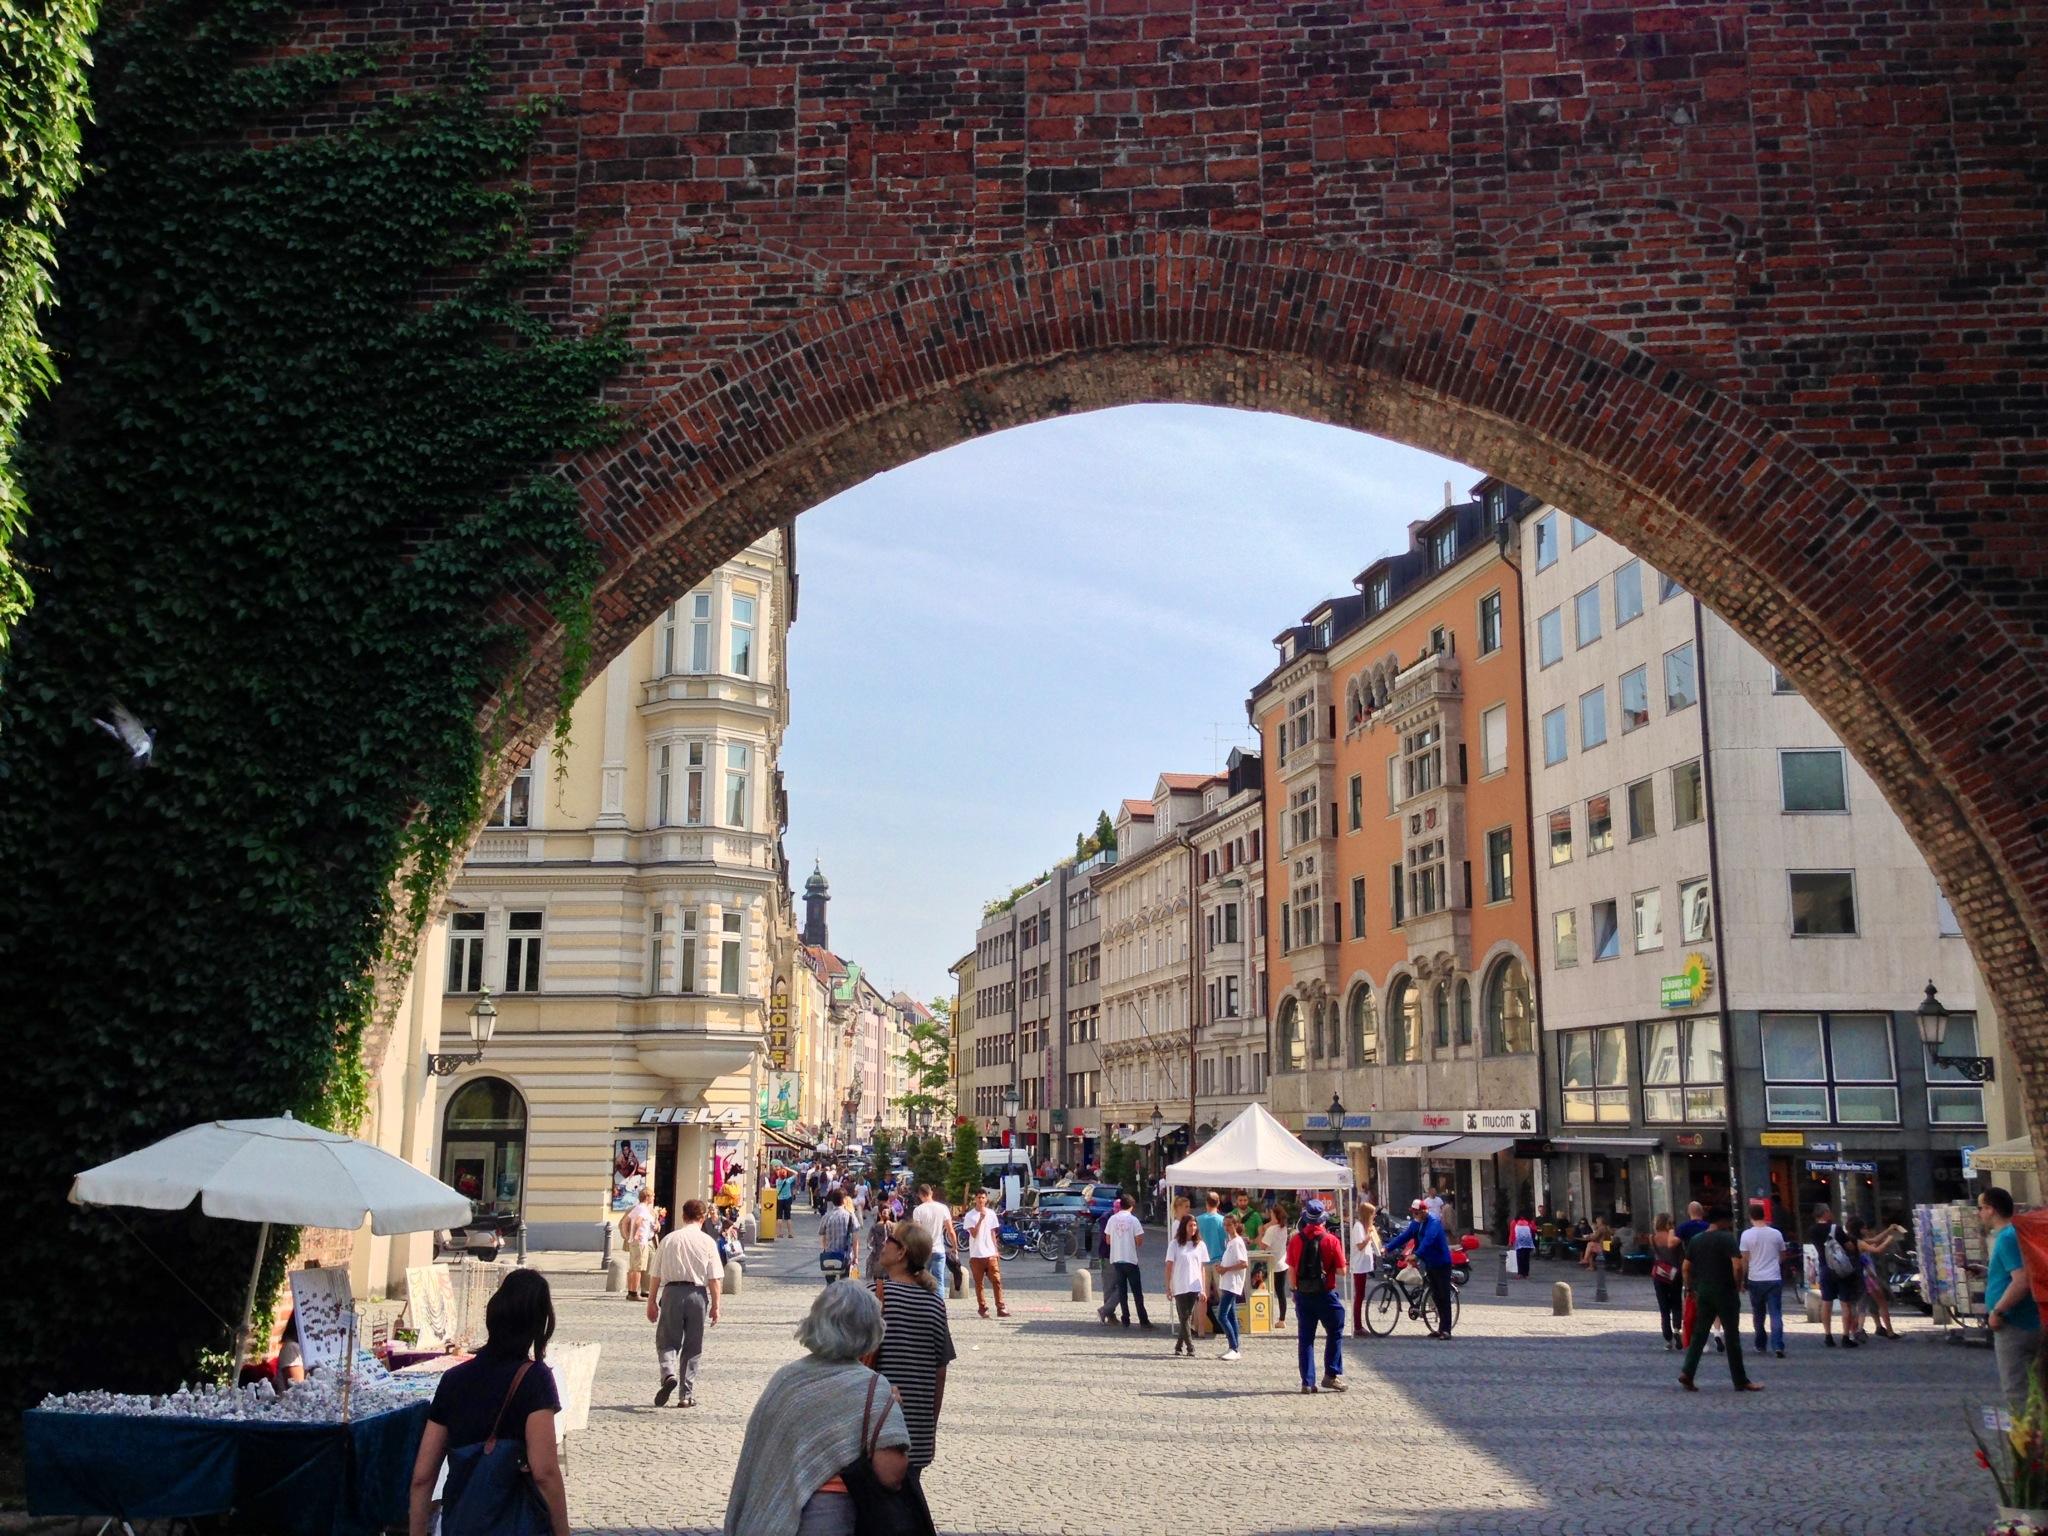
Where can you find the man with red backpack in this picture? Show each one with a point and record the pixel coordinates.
(1315, 1261)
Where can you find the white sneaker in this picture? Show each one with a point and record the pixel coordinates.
(1230, 1354)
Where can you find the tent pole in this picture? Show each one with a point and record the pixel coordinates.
(249, 1302)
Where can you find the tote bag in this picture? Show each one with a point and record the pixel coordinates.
(489, 1491)
(880, 1511)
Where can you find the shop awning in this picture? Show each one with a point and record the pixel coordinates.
(2015, 1156)
(1474, 1146)
(1619, 1146)
(775, 1136)
(1409, 1146)
(1147, 1136)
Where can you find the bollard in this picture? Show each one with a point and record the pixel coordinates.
(1813, 1304)
(1500, 1281)
(604, 1257)
(615, 1274)
(1561, 1299)
(1083, 1288)
(1600, 1276)
(958, 1286)
(735, 1277)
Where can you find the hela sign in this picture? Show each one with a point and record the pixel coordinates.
(1500, 1122)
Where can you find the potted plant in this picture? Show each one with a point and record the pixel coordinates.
(2016, 1455)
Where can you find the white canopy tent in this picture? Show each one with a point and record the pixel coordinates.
(1255, 1151)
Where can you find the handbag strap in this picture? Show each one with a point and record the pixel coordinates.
(869, 1407)
(491, 1442)
(869, 1441)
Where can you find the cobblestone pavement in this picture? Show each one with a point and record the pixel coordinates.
(1526, 1424)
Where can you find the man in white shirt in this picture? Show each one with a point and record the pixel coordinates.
(1763, 1246)
(1126, 1235)
(1435, 1202)
(687, 1276)
(983, 1260)
(936, 1218)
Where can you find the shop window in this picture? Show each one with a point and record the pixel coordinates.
(1682, 1072)
(1836, 1069)
(1363, 1027)
(483, 1146)
(1510, 1009)
(1593, 1075)
(1951, 1098)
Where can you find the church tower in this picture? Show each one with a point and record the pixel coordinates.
(816, 894)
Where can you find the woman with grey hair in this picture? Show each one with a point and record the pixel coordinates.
(817, 1416)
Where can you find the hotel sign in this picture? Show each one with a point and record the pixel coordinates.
(778, 1025)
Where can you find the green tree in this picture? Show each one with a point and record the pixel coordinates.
(928, 1059)
(965, 1175)
(928, 1162)
(878, 1160)
(1105, 830)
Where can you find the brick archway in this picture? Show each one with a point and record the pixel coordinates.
(1815, 572)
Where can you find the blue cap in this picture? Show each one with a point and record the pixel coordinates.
(1315, 1210)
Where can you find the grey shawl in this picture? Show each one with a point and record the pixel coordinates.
(804, 1428)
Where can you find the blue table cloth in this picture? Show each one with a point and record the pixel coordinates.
(293, 1479)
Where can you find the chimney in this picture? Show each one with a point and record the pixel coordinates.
(1447, 493)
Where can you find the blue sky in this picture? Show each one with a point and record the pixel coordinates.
(996, 641)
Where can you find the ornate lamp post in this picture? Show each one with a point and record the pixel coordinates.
(483, 1019)
(1011, 1104)
(1933, 1021)
(1336, 1143)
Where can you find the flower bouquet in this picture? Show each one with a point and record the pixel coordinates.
(2014, 1450)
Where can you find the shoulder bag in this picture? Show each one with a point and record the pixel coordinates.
(490, 1489)
(880, 1511)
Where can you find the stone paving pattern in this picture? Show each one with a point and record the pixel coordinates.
(1527, 1424)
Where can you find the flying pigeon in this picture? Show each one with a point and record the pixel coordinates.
(138, 739)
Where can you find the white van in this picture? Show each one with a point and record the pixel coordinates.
(1006, 1174)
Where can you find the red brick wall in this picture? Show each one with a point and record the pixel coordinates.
(1756, 288)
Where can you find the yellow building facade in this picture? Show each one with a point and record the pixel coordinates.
(630, 917)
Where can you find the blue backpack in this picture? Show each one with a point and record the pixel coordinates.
(490, 1489)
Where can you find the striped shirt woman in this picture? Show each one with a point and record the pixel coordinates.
(917, 1344)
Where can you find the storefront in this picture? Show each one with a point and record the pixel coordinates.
(483, 1148)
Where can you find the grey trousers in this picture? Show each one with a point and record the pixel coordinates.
(679, 1336)
(2015, 1349)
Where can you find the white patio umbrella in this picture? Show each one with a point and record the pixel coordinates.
(282, 1171)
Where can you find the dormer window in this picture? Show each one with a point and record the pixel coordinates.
(1443, 547)
(1379, 593)
(1323, 633)
(1496, 507)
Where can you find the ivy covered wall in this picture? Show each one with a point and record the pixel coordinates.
(300, 442)
(42, 104)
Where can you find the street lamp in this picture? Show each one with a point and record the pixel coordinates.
(1336, 1124)
(483, 1019)
(1933, 1021)
(1011, 1104)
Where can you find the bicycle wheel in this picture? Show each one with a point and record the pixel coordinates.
(1007, 1249)
(1432, 1319)
(1383, 1307)
(1054, 1244)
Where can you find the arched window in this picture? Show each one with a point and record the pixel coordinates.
(1510, 1010)
(1365, 1027)
(1440, 1018)
(1320, 1051)
(1290, 1036)
(1404, 1023)
(1464, 1011)
(483, 1146)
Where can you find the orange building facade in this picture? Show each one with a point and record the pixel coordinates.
(1400, 912)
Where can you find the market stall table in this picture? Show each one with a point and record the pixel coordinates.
(287, 1479)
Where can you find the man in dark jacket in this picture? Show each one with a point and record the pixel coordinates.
(1433, 1253)
(1315, 1262)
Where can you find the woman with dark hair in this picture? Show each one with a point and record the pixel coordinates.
(1187, 1258)
(506, 1393)
(1667, 1261)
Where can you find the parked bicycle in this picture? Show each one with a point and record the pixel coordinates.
(1406, 1292)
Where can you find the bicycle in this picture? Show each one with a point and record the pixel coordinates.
(1406, 1292)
